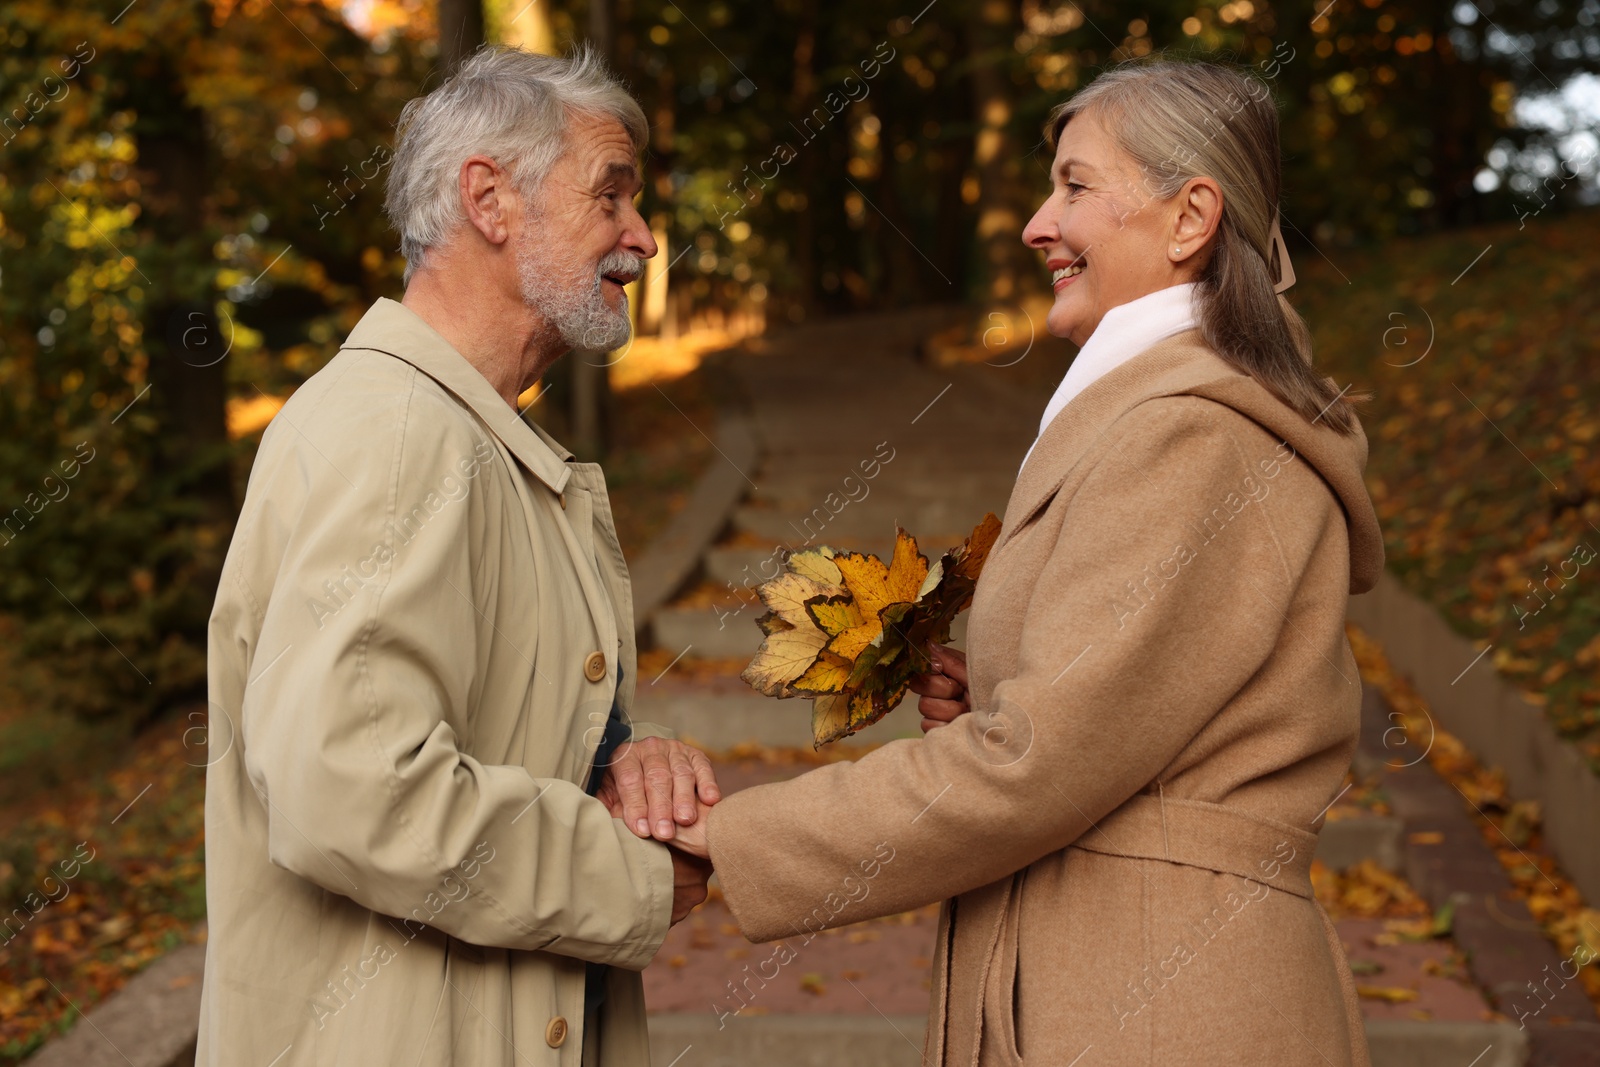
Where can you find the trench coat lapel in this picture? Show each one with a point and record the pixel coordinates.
(392, 328)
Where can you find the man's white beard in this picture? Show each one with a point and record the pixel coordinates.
(567, 292)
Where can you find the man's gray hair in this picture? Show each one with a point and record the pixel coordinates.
(504, 103)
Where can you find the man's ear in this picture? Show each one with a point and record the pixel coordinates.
(488, 198)
(1199, 213)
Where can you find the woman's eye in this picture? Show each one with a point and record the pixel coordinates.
(1074, 187)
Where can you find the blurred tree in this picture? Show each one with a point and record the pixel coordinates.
(586, 370)
(190, 210)
(1003, 196)
(155, 147)
(460, 32)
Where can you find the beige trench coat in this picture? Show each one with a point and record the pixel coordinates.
(413, 654)
(1164, 703)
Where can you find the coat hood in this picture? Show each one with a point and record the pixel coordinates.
(1339, 458)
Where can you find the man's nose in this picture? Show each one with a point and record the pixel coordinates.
(638, 239)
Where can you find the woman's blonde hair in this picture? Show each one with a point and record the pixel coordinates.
(1184, 120)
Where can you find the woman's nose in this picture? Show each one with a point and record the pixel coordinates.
(1041, 230)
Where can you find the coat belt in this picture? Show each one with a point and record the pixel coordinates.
(1209, 836)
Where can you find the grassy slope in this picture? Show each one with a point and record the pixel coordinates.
(1484, 465)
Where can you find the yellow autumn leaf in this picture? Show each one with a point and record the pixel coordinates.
(907, 570)
(827, 675)
(816, 564)
(787, 595)
(850, 643)
(875, 586)
(830, 718)
(772, 623)
(866, 578)
(1389, 994)
(834, 614)
(784, 656)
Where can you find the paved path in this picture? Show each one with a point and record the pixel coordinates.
(856, 434)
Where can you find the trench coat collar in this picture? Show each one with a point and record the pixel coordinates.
(392, 328)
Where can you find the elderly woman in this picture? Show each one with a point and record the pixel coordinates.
(1162, 699)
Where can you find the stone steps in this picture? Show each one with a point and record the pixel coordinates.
(720, 720)
(896, 1041)
(935, 522)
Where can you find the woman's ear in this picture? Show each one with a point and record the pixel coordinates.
(1199, 213)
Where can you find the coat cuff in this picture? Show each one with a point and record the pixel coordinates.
(638, 951)
(740, 892)
(642, 730)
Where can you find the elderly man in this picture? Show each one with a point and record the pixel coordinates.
(422, 652)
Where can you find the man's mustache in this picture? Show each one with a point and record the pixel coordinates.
(620, 267)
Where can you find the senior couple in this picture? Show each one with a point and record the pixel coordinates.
(433, 835)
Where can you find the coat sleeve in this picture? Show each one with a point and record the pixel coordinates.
(369, 661)
(1103, 698)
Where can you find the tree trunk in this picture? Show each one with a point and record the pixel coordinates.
(1009, 270)
(460, 32)
(186, 344)
(591, 376)
(805, 235)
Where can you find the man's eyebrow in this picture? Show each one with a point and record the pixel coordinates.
(620, 172)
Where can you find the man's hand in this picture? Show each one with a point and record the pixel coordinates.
(944, 692)
(654, 782)
(689, 875)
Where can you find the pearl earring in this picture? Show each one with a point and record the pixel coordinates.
(1177, 251)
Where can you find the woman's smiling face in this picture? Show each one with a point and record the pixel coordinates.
(1105, 238)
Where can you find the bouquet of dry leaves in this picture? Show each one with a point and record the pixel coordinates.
(850, 631)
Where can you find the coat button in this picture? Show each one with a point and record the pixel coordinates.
(594, 668)
(556, 1032)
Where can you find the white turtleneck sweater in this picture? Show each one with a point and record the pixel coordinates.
(1124, 332)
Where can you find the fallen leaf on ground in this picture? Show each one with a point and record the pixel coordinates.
(1391, 994)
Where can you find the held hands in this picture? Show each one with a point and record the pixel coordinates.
(654, 786)
(944, 691)
(670, 786)
(689, 876)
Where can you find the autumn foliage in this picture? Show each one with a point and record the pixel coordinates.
(849, 631)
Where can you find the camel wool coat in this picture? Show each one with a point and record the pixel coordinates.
(1164, 703)
(413, 656)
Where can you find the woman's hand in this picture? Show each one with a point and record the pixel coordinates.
(943, 692)
(691, 839)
